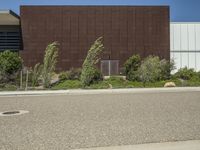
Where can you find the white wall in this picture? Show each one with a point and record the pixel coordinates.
(185, 44)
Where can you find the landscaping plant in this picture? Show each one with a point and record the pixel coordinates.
(166, 68)
(131, 67)
(67, 84)
(72, 74)
(10, 65)
(185, 73)
(90, 73)
(49, 63)
(35, 74)
(63, 76)
(150, 70)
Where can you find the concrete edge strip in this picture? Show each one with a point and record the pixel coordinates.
(180, 145)
(100, 91)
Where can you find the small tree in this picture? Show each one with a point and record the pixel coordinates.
(89, 71)
(49, 63)
(10, 64)
(131, 66)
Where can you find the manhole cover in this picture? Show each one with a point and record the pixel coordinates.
(13, 113)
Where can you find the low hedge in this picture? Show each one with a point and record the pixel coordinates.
(118, 82)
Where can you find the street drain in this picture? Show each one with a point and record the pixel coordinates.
(10, 112)
(13, 113)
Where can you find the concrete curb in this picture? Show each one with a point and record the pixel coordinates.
(100, 91)
(181, 145)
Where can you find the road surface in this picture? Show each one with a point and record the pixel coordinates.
(82, 121)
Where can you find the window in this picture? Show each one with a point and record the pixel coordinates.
(10, 41)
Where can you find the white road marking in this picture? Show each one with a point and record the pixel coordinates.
(181, 145)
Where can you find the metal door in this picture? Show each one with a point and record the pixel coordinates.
(110, 67)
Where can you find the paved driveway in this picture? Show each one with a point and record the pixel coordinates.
(80, 121)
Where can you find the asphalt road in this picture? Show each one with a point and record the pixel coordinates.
(81, 121)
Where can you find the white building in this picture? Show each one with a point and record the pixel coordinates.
(185, 44)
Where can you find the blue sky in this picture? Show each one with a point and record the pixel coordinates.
(181, 10)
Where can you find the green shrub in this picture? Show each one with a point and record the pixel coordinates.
(90, 74)
(150, 70)
(98, 85)
(132, 76)
(117, 82)
(112, 82)
(96, 76)
(63, 76)
(193, 83)
(10, 64)
(166, 68)
(195, 77)
(93, 76)
(67, 84)
(7, 87)
(185, 73)
(163, 66)
(134, 84)
(131, 66)
(74, 74)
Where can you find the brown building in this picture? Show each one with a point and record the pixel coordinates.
(126, 30)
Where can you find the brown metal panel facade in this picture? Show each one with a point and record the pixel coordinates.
(126, 30)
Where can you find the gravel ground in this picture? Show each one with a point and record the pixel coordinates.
(69, 122)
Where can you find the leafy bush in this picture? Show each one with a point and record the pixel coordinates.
(67, 84)
(117, 82)
(98, 85)
(196, 77)
(7, 87)
(132, 76)
(93, 76)
(112, 82)
(63, 76)
(185, 73)
(163, 66)
(131, 66)
(150, 70)
(166, 68)
(72, 74)
(10, 64)
(193, 83)
(90, 74)
(96, 76)
(49, 63)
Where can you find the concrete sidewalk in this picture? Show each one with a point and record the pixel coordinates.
(182, 145)
(99, 91)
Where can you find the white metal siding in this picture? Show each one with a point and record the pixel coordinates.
(185, 45)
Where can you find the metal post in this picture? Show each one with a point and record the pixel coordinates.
(21, 79)
(26, 80)
(109, 67)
